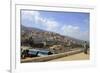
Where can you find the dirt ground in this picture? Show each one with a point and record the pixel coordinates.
(80, 56)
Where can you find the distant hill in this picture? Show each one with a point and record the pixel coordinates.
(30, 29)
(42, 35)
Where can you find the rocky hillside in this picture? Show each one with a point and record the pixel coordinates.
(30, 34)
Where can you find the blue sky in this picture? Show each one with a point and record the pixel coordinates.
(74, 24)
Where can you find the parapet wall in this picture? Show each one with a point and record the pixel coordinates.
(50, 57)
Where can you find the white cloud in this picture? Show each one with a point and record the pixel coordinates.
(51, 24)
(69, 30)
(48, 23)
(74, 31)
(30, 15)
